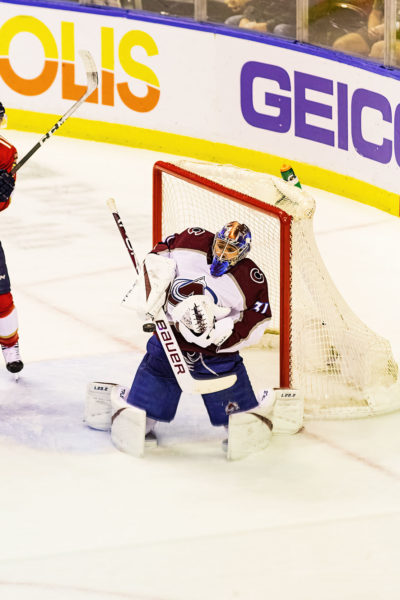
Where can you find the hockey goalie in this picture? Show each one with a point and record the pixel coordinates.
(216, 300)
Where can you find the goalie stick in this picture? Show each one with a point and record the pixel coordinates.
(92, 83)
(167, 338)
(148, 327)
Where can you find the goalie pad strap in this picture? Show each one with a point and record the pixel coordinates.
(117, 413)
(265, 420)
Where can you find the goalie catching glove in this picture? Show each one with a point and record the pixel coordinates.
(7, 185)
(202, 322)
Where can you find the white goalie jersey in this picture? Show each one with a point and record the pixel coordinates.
(243, 289)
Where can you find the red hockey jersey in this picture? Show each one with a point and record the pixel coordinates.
(8, 158)
(243, 288)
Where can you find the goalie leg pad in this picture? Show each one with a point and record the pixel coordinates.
(98, 405)
(128, 424)
(288, 411)
(248, 433)
(285, 408)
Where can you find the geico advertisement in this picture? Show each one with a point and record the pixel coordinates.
(334, 115)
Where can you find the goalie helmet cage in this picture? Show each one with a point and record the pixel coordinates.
(342, 367)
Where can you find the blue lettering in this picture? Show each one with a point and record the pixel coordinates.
(302, 107)
(396, 134)
(343, 116)
(253, 70)
(349, 113)
(365, 98)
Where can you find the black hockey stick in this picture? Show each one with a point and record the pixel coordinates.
(148, 327)
(113, 207)
(92, 83)
(167, 338)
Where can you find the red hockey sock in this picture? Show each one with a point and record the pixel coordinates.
(6, 304)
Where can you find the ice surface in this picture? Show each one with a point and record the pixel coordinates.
(314, 517)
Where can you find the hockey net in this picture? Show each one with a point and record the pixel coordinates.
(323, 349)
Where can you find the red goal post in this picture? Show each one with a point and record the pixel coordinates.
(162, 168)
(342, 368)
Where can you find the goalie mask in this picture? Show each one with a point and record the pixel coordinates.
(230, 245)
(3, 117)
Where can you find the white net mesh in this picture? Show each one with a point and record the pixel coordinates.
(342, 367)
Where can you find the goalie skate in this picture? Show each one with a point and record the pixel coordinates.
(150, 440)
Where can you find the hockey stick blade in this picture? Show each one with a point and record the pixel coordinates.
(92, 83)
(91, 71)
(209, 386)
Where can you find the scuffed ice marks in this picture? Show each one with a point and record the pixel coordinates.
(44, 409)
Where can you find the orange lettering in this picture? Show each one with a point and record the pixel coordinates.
(107, 88)
(138, 103)
(29, 87)
(70, 89)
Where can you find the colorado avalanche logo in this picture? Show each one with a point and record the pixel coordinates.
(231, 407)
(257, 276)
(196, 230)
(183, 288)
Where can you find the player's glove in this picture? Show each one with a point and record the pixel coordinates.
(7, 185)
(196, 319)
(221, 331)
(217, 336)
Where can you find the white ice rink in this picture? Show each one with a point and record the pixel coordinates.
(314, 517)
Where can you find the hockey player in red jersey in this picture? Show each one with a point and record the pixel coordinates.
(8, 313)
(216, 298)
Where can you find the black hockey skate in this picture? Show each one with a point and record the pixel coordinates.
(12, 357)
(150, 440)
